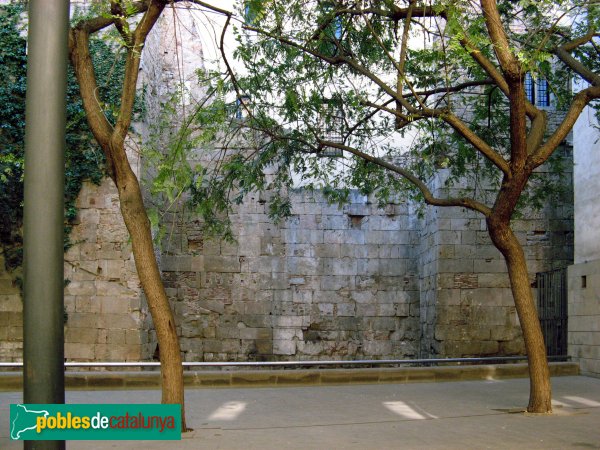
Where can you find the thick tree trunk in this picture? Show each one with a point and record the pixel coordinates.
(540, 391)
(138, 225)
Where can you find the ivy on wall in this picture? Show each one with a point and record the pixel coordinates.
(84, 159)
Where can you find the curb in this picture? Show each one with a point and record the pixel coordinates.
(12, 381)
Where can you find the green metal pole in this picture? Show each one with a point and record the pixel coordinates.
(45, 121)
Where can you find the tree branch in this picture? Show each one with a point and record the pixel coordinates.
(494, 73)
(427, 195)
(120, 22)
(84, 71)
(403, 52)
(580, 101)
(132, 66)
(480, 145)
(395, 12)
(96, 24)
(509, 64)
(588, 75)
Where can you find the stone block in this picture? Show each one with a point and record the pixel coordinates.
(260, 320)
(293, 235)
(284, 347)
(8, 286)
(451, 265)
(78, 352)
(15, 319)
(334, 222)
(326, 309)
(15, 333)
(344, 266)
(116, 321)
(112, 289)
(286, 334)
(81, 335)
(84, 320)
(327, 250)
(489, 266)
(303, 266)
(330, 296)
(133, 337)
(404, 310)
(288, 321)
(356, 237)
(112, 305)
(301, 296)
(366, 310)
(227, 264)
(390, 267)
(503, 333)
(336, 282)
(81, 288)
(346, 309)
(466, 281)
(493, 280)
(116, 337)
(377, 348)
(386, 309)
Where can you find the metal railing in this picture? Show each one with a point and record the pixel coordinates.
(364, 362)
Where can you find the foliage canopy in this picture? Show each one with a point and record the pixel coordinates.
(405, 90)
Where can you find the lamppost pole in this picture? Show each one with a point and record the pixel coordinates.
(45, 118)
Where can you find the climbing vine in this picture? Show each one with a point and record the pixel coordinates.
(84, 160)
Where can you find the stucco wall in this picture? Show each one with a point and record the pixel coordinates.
(586, 175)
(584, 275)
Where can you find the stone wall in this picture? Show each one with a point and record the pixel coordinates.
(107, 317)
(354, 282)
(328, 283)
(11, 315)
(467, 307)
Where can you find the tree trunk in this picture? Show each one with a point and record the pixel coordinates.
(540, 390)
(137, 223)
(111, 139)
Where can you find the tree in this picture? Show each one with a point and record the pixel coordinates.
(133, 21)
(451, 75)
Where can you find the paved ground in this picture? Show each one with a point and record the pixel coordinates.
(453, 415)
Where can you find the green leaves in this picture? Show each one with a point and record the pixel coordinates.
(84, 160)
(308, 53)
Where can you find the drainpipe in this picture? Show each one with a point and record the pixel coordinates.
(45, 118)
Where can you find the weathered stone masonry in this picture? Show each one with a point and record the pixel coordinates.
(328, 283)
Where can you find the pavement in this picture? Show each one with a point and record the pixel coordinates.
(484, 414)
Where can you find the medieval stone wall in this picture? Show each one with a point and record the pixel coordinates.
(11, 315)
(328, 283)
(107, 318)
(467, 307)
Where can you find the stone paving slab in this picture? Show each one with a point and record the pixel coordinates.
(457, 415)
